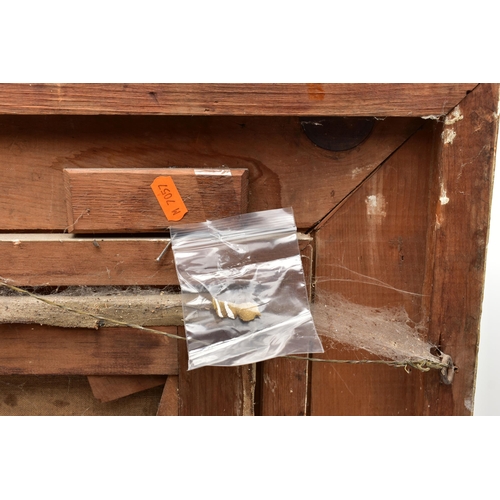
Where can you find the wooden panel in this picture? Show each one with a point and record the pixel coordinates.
(40, 350)
(285, 168)
(460, 211)
(121, 200)
(233, 99)
(283, 383)
(370, 250)
(60, 395)
(64, 260)
(169, 404)
(215, 390)
(114, 387)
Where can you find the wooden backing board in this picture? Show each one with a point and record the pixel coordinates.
(65, 260)
(233, 99)
(120, 200)
(378, 234)
(42, 350)
(285, 168)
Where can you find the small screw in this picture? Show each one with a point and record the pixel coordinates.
(164, 251)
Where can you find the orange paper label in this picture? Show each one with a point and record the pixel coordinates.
(169, 198)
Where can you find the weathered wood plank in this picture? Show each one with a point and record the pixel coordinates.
(120, 200)
(285, 168)
(67, 395)
(64, 260)
(459, 216)
(215, 390)
(114, 387)
(146, 309)
(371, 251)
(169, 403)
(232, 99)
(41, 350)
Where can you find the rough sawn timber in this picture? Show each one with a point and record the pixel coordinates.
(458, 235)
(300, 99)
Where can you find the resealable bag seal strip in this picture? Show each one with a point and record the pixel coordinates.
(243, 290)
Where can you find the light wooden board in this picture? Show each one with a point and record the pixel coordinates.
(120, 200)
(41, 350)
(285, 168)
(89, 310)
(232, 99)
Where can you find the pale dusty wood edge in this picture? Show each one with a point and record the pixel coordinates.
(113, 387)
(230, 99)
(248, 380)
(145, 310)
(70, 224)
(169, 403)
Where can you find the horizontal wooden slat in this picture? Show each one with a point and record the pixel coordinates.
(67, 260)
(138, 309)
(232, 99)
(64, 260)
(121, 199)
(43, 350)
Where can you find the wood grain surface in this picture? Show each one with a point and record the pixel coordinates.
(458, 235)
(25, 395)
(372, 251)
(232, 99)
(283, 384)
(42, 350)
(215, 390)
(169, 403)
(400, 220)
(120, 200)
(64, 260)
(285, 168)
(113, 387)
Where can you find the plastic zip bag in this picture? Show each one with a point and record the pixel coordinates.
(244, 296)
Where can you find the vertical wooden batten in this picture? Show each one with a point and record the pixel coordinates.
(459, 213)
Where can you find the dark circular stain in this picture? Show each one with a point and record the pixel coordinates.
(337, 133)
(10, 400)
